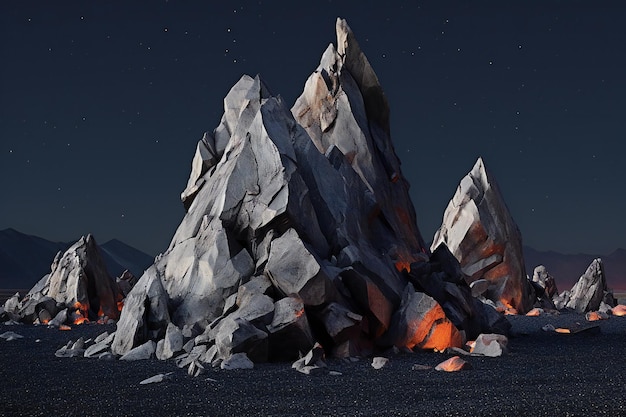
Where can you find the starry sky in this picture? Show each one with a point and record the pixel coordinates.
(102, 103)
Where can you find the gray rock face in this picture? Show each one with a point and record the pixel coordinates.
(289, 331)
(59, 319)
(295, 270)
(78, 280)
(479, 230)
(79, 269)
(587, 294)
(294, 219)
(239, 336)
(126, 282)
(12, 303)
(145, 314)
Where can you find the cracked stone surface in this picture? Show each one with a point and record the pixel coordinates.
(298, 227)
(479, 230)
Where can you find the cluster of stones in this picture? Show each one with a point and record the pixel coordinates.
(78, 288)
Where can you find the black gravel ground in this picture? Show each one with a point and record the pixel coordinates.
(544, 374)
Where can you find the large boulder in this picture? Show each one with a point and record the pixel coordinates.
(298, 227)
(479, 230)
(145, 315)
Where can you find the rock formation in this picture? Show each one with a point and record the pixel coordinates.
(479, 230)
(78, 287)
(588, 292)
(546, 281)
(299, 229)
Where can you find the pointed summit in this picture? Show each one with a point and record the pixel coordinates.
(343, 106)
(590, 289)
(479, 230)
(355, 61)
(80, 276)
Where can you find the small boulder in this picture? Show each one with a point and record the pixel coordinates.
(156, 379)
(145, 351)
(237, 361)
(379, 362)
(492, 345)
(453, 364)
(171, 344)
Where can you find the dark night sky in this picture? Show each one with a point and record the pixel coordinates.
(102, 103)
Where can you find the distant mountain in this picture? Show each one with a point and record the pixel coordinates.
(567, 268)
(118, 257)
(24, 259)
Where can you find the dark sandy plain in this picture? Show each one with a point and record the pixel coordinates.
(544, 374)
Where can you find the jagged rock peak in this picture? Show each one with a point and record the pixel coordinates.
(478, 229)
(210, 148)
(356, 62)
(589, 291)
(80, 276)
(343, 106)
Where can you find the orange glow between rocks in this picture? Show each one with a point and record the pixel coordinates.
(433, 331)
(593, 316)
(507, 309)
(443, 336)
(101, 316)
(64, 327)
(403, 266)
(562, 330)
(81, 313)
(403, 261)
(471, 344)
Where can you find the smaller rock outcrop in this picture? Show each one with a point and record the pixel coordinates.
(479, 230)
(589, 291)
